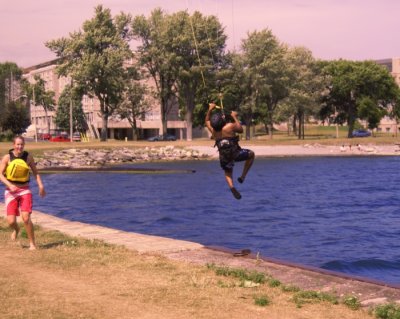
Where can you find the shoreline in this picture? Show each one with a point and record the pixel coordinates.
(103, 158)
(310, 150)
(370, 292)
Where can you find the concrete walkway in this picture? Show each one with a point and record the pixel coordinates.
(308, 278)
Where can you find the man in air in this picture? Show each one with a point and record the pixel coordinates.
(225, 134)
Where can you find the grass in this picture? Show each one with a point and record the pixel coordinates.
(70, 277)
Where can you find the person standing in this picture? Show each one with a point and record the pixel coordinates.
(15, 168)
(224, 132)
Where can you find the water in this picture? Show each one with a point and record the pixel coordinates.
(337, 213)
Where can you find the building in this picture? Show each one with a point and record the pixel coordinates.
(387, 124)
(148, 126)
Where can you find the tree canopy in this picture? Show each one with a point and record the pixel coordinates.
(95, 59)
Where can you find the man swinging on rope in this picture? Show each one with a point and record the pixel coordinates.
(224, 133)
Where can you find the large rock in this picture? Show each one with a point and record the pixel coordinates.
(87, 157)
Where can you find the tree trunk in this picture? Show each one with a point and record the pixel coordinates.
(351, 120)
(134, 130)
(294, 125)
(189, 115)
(104, 126)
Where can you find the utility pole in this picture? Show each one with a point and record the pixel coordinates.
(34, 112)
(70, 114)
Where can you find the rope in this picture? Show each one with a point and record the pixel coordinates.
(197, 50)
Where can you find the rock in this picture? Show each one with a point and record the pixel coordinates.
(374, 302)
(86, 157)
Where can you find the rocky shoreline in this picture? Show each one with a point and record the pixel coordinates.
(75, 157)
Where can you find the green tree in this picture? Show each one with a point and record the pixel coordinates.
(199, 43)
(359, 90)
(264, 57)
(135, 104)
(95, 59)
(63, 110)
(10, 74)
(304, 90)
(15, 118)
(157, 54)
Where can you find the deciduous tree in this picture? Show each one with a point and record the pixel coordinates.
(95, 58)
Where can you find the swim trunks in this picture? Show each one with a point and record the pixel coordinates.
(21, 200)
(230, 152)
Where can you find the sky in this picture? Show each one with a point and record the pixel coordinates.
(331, 29)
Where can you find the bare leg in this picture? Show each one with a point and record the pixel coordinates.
(12, 222)
(26, 217)
(247, 166)
(229, 180)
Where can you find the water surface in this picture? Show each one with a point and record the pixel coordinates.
(337, 213)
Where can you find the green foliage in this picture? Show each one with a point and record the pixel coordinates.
(290, 288)
(358, 90)
(6, 136)
(241, 274)
(94, 58)
(352, 302)
(62, 119)
(388, 311)
(309, 296)
(274, 282)
(15, 118)
(266, 77)
(262, 301)
(9, 73)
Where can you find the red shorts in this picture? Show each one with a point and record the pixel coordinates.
(21, 200)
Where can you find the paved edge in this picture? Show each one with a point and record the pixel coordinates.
(369, 291)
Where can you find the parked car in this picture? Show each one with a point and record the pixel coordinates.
(361, 133)
(44, 136)
(166, 137)
(60, 138)
(76, 137)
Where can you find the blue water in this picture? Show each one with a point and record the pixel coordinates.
(337, 213)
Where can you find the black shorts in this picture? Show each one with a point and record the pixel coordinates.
(243, 155)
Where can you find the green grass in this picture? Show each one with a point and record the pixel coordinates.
(388, 311)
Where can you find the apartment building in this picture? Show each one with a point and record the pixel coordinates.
(149, 125)
(388, 125)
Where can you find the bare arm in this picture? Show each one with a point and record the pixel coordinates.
(237, 126)
(211, 106)
(32, 165)
(3, 166)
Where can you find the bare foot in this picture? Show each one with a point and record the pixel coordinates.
(32, 247)
(14, 234)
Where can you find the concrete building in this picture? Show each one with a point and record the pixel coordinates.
(149, 125)
(387, 124)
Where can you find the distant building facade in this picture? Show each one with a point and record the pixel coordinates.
(149, 125)
(387, 124)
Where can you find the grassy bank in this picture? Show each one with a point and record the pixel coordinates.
(76, 278)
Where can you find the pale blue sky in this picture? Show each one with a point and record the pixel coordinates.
(331, 29)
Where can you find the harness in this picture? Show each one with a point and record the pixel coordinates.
(228, 148)
(17, 170)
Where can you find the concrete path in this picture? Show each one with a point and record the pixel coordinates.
(308, 278)
(134, 241)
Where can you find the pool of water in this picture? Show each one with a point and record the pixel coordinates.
(336, 213)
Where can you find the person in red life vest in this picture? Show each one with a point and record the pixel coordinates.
(15, 168)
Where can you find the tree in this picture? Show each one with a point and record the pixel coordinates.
(63, 111)
(42, 97)
(264, 57)
(15, 118)
(135, 105)
(95, 59)
(10, 73)
(359, 90)
(199, 44)
(305, 88)
(157, 55)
